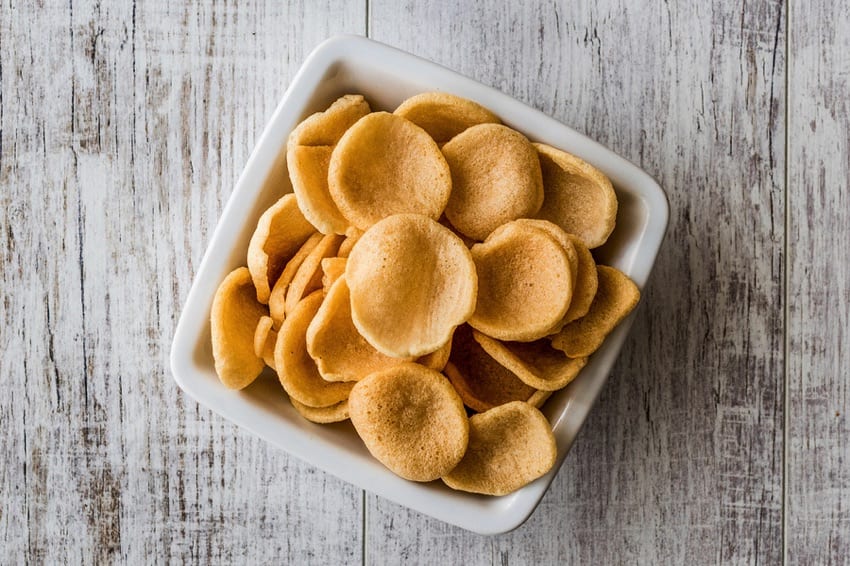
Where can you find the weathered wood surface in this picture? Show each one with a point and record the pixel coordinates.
(681, 460)
(123, 127)
(818, 500)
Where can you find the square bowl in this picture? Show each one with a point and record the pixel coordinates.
(387, 76)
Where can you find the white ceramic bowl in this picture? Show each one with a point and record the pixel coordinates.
(387, 76)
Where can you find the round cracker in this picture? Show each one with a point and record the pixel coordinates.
(578, 197)
(616, 297)
(340, 352)
(295, 368)
(308, 172)
(496, 178)
(322, 415)
(387, 165)
(277, 299)
(351, 238)
(481, 381)
(265, 338)
(444, 115)
(281, 230)
(524, 283)
(537, 363)
(234, 316)
(412, 282)
(308, 278)
(326, 128)
(509, 447)
(332, 269)
(586, 282)
(411, 420)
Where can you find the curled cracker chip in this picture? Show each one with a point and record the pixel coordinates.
(509, 447)
(332, 269)
(411, 420)
(536, 363)
(444, 115)
(578, 197)
(586, 283)
(524, 283)
(386, 165)
(495, 179)
(322, 415)
(308, 171)
(345, 247)
(481, 381)
(561, 237)
(277, 299)
(412, 281)
(539, 398)
(235, 314)
(437, 359)
(340, 352)
(325, 128)
(295, 368)
(265, 338)
(308, 278)
(616, 297)
(281, 230)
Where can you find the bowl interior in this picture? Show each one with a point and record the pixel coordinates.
(386, 77)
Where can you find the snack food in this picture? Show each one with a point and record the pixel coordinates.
(437, 279)
(524, 283)
(235, 315)
(509, 446)
(578, 197)
(616, 297)
(496, 178)
(411, 420)
(412, 282)
(282, 229)
(387, 165)
(444, 115)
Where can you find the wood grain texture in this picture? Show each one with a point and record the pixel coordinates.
(681, 461)
(123, 128)
(818, 503)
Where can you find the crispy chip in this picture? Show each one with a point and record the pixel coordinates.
(332, 269)
(340, 352)
(411, 420)
(325, 128)
(480, 380)
(351, 238)
(282, 229)
(235, 314)
(444, 115)
(386, 165)
(295, 368)
(322, 415)
(277, 300)
(586, 283)
(564, 239)
(509, 447)
(524, 283)
(437, 359)
(308, 171)
(536, 363)
(308, 278)
(578, 197)
(265, 338)
(615, 298)
(539, 398)
(495, 179)
(412, 282)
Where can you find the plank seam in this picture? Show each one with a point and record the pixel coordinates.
(786, 405)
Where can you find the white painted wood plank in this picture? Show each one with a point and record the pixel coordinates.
(681, 461)
(818, 504)
(123, 128)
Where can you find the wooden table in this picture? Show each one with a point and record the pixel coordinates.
(723, 435)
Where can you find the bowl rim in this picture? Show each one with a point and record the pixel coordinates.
(469, 512)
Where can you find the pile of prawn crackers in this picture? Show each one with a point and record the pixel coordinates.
(431, 280)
